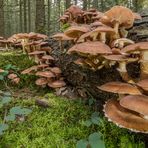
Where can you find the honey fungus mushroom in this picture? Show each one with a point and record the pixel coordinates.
(120, 88)
(61, 37)
(122, 61)
(125, 118)
(91, 51)
(118, 16)
(141, 49)
(137, 103)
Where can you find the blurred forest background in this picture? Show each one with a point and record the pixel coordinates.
(42, 15)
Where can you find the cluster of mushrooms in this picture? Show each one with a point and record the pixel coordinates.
(100, 40)
(38, 50)
(11, 75)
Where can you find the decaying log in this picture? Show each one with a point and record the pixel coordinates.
(85, 80)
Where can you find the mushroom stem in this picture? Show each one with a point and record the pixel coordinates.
(123, 32)
(116, 28)
(144, 65)
(103, 37)
(123, 72)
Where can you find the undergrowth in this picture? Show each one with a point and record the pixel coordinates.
(61, 125)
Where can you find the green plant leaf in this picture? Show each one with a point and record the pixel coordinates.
(1, 77)
(20, 111)
(88, 123)
(82, 144)
(6, 100)
(8, 66)
(5, 73)
(95, 141)
(3, 127)
(95, 118)
(10, 117)
(7, 93)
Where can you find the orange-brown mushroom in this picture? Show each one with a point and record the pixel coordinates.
(125, 118)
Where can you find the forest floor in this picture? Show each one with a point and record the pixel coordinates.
(63, 123)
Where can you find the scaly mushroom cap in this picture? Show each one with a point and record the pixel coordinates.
(57, 84)
(62, 37)
(76, 31)
(46, 74)
(125, 118)
(90, 48)
(135, 47)
(137, 103)
(12, 76)
(143, 84)
(120, 14)
(74, 10)
(56, 70)
(120, 88)
(41, 81)
(22, 36)
(47, 57)
(106, 29)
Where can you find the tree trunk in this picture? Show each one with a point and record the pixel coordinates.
(49, 13)
(40, 16)
(25, 16)
(85, 4)
(85, 81)
(96, 4)
(2, 24)
(67, 3)
(29, 17)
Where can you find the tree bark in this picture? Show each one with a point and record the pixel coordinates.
(2, 23)
(25, 16)
(67, 3)
(29, 17)
(40, 16)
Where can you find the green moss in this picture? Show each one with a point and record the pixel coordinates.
(58, 126)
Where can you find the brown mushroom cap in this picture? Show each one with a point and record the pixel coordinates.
(57, 84)
(137, 103)
(125, 118)
(47, 57)
(76, 31)
(120, 88)
(12, 76)
(120, 14)
(120, 58)
(34, 68)
(90, 48)
(46, 74)
(74, 10)
(135, 47)
(106, 29)
(56, 70)
(37, 52)
(16, 80)
(41, 81)
(1, 70)
(143, 84)
(61, 36)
